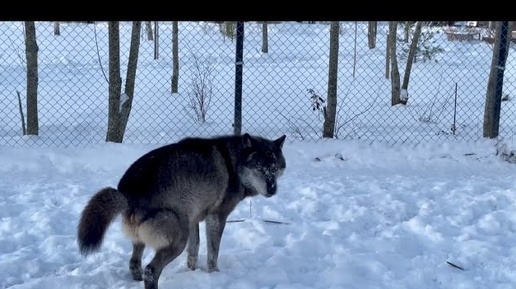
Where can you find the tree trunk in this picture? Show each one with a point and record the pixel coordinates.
(410, 60)
(132, 64)
(494, 91)
(115, 83)
(156, 40)
(148, 29)
(265, 37)
(331, 105)
(175, 57)
(57, 28)
(491, 26)
(371, 34)
(406, 31)
(24, 127)
(395, 74)
(354, 49)
(388, 56)
(31, 54)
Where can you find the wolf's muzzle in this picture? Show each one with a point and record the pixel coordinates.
(271, 185)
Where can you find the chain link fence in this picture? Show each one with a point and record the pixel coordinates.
(284, 82)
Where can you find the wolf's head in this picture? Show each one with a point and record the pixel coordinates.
(262, 164)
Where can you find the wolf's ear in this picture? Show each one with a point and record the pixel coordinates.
(247, 140)
(280, 141)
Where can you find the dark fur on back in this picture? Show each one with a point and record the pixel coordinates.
(165, 193)
(153, 170)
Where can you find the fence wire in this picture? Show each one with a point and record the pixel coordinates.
(284, 83)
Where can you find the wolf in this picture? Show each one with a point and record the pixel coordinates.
(164, 195)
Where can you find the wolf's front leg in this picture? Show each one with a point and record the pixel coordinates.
(193, 247)
(214, 227)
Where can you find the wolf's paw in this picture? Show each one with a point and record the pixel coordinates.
(191, 263)
(213, 269)
(150, 278)
(136, 271)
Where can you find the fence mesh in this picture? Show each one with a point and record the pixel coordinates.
(284, 87)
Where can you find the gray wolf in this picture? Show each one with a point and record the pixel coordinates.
(165, 193)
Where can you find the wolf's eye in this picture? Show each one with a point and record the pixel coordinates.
(270, 155)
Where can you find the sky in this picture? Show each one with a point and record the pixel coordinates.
(348, 214)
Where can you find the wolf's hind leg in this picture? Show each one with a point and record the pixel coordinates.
(193, 247)
(135, 264)
(167, 233)
(161, 259)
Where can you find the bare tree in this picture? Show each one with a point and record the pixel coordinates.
(265, 37)
(371, 34)
(175, 58)
(388, 56)
(201, 89)
(228, 29)
(491, 27)
(57, 28)
(120, 105)
(132, 65)
(156, 40)
(494, 84)
(115, 82)
(406, 31)
(331, 104)
(395, 74)
(24, 127)
(148, 29)
(410, 59)
(355, 49)
(31, 54)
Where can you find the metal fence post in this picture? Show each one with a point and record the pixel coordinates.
(237, 124)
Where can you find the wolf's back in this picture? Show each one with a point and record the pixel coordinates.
(96, 217)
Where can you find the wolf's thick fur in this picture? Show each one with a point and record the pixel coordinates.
(164, 195)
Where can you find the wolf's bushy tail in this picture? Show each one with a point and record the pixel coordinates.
(96, 217)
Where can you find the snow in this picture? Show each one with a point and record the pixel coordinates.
(348, 214)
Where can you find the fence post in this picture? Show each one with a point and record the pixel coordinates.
(502, 53)
(237, 124)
